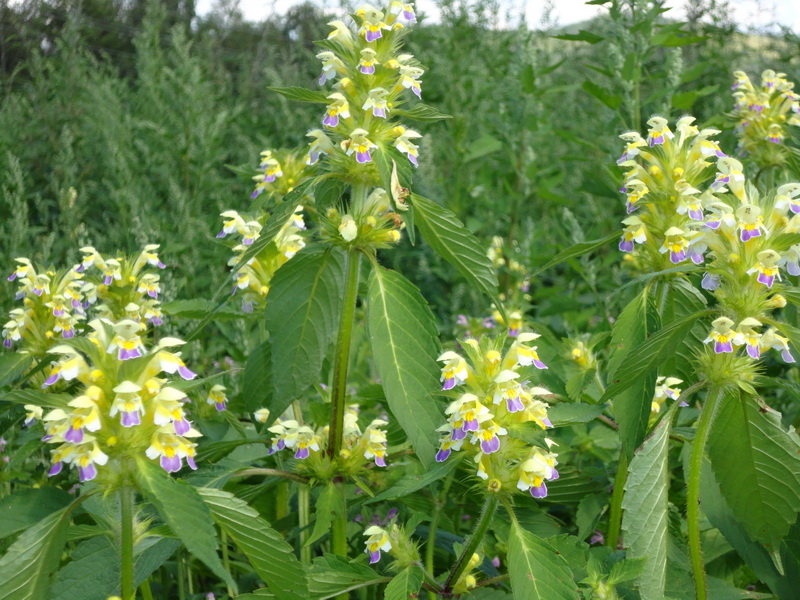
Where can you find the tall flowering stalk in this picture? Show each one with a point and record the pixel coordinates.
(690, 204)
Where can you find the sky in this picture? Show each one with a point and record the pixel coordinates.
(758, 13)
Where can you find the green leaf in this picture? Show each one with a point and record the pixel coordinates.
(196, 309)
(649, 355)
(257, 378)
(269, 554)
(536, 569)
(627, 569)
(630, 330)
(569, 413)
(590, 508)
(581, 36)
(300, 94)
(757, 465)
(181, 507)
(422, 113)
(575, 251)
(28, 506)
(481, 147)
(405, 346)
(411, 483)
(646, 507)
(12, 366)
(405, 585)
(329, 504)
(302, 315)
(332, 575)
(612, 101)
(386, 158)
(456, 244)
(26, 568)
(38, 398)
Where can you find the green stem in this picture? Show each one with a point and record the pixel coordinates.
(339, 530)
(693, 491)
(481, 527)
(342, 360)
(181, 576)
(147, 593)
(226, 561)
(615, 518)
(126, 542)
(303, 518)
(430, 545)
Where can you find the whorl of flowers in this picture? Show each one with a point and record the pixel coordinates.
(123, 407)
(684, 208)
(497, 399)
(56, 303)
(369, 76)
(763, 114)
(309, 443)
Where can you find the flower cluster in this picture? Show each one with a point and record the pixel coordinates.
(666, 387)
(55, 303)
(358, 447)
(123, 408)
(498, 401)
(690, 203)
(370, 223)
(762, 115)
(370, 77)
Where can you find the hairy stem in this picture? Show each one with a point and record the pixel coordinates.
(126, 542)
(693, 491)
(226, 561)
(615, 518)
(303, 518)
(430, 545)
(474, 540)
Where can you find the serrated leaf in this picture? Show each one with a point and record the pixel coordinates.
(182, 508)
(332, 575)
(569, 413)
(269, 554)
(38, 398)
(257, 378)
(411, 483)
(575, 251)
(405, 345)
(590, 508)
(302, 315)
(12, 366)
(536, 570)
(421, 112)
(405, 585)
(757, 465)
(388, 158)
(645, 504)
(301, 94)
(25, 507)
(456, 244)
(625, 570)
(26, 568)
(329, 504)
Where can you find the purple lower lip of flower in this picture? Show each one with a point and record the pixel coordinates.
(658, 139)
(247, 241)
(331, 120)
(302, 453)
(539, 364)
(269, 178)
(58, 312)
(547, 422)
(449, 383)
(417, 91)
(489, 446)
(442, 454)
(753, 351)
(7, 342)
(367, 70)
(555, 475)
(374, 556)
(235, 287)
(371, 35)
(723, 347)
(471, 425)
(130, 418)
(152, 293)
(191, 463)
(107, 280)
(710, 282)
(55, 469)
(787, 356)
(220, 406)
(38, 291)
(748, 234)
(513, 333)
(514, 404)
(76, 303)
(458, 434)
(68, 334)
(793, 268)
(378, 112)
(281, 444)
(413, 159)
(697, 215)
(87, 473)
(74, 435)
(767, 280)
(539, 491)
(697, 258)
(186, 373)
(626, 245)
(363, 157)
(379, 460)
(171, 465)
(256, 193)
(12, 277)
(630, 207)
(677, 257)
(155, 321)
(409, 16)
(50, 380)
